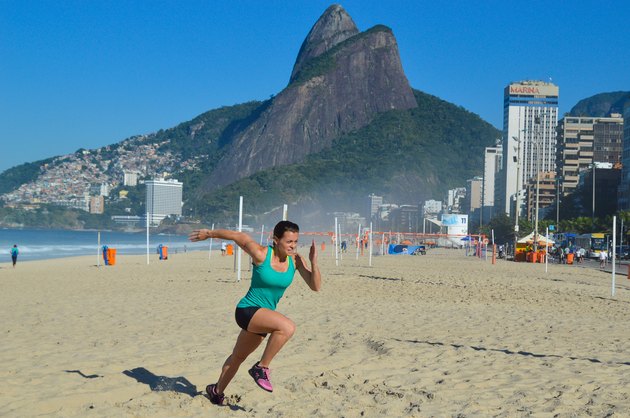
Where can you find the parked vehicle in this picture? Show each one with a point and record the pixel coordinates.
(623, 252)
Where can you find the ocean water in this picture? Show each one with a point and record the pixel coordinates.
(39, 244)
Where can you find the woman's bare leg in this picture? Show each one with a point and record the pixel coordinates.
(246, 343)
(279, 326)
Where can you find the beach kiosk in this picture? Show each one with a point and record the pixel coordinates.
(525, 248)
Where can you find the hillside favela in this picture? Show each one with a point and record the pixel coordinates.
(384, 251)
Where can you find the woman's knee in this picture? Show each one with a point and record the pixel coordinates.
(288, 328)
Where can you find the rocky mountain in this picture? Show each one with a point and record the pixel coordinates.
(347, 124)
(341, 80)
(406, 156)
(332, 28)
(602, 104)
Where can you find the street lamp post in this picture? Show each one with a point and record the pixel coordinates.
(593, 216)
(537, 196)
(537, 144)
(537, 150)
(516, 196)
(557, 201)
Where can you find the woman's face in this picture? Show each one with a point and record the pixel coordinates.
(287, 245)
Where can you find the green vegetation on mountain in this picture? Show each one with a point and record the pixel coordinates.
(602, 104)
(205, 134)
(14, 177)
(405, 155)
(325, 62)
(53, 217)
(205, 138)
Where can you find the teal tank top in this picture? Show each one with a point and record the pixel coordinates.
(267, 285)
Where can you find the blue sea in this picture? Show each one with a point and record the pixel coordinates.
(39, 244)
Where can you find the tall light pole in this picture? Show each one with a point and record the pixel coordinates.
(537, 150)
(537, 143)
(537, 194)
(516, 202)
(593, 216)
(558, 178)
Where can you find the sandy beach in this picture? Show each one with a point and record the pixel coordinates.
(427, 336)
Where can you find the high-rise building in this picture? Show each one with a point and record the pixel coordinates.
(493, 159)
(474, 188)
(608, 139)
(455, 198)
(164, 198)
(545, 187)
(530, 116)
(431, 207)
(624, 186)
(583, 140)
(373, 203)
(405, 219)
(599, 185)
(97, 204)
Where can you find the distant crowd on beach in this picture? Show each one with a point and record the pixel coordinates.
(573, 254)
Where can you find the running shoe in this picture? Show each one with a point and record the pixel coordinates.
(261, 377)
(215, 398)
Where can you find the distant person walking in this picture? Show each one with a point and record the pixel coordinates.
(14, 254)
(274, 267)
(602, 259)
(560, 252)
(223, 248)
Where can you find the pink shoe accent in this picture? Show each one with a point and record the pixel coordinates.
(261, 376)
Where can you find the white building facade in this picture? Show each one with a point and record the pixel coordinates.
(530, 117)
(431, 207)
(130, 178)
(493, 160)
(164, 198)
(373, 202)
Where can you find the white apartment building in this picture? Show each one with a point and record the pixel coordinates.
(130, 178)
(493, 160)
(455, 199)
(530, 116)
(164, 198)
(373, 202)
(432, 207)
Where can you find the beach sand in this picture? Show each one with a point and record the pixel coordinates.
(436, 335)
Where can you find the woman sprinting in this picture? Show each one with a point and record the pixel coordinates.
(274, 267)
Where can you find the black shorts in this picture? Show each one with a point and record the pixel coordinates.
(244, 315)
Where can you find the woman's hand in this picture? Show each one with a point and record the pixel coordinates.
(312, 254)
(199, 235)
(311, 276)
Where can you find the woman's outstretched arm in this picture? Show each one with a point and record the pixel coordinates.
(243, 240)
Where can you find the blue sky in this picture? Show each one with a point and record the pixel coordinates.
(87, 73)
